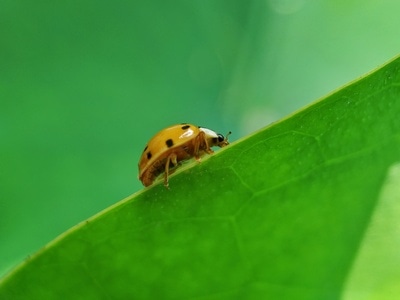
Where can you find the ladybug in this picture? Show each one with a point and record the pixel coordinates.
(172, 145)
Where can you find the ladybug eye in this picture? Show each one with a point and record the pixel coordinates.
(220, 137)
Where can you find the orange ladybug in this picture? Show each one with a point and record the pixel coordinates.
(172, 145)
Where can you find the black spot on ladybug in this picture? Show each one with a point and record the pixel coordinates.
(145, 149)
(169, 143)
(185, 127)
(149, 155)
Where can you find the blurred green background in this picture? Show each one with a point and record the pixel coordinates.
(85, 84)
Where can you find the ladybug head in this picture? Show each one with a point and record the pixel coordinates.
(215, 139)
(221, 140)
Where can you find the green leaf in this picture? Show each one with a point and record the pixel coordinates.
(291, 212)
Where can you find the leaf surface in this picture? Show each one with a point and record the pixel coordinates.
(283, 213)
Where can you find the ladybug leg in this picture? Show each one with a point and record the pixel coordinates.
(171, 159)
(201, 144)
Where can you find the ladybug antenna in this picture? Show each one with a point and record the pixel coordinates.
(228, 134)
